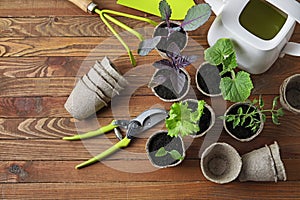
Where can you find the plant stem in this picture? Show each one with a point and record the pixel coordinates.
(131, 16)
(132, 59)
(232, 74)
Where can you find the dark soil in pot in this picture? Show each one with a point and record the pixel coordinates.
(179, 37)
(166, 90)
(293, 93)
(170, 143)
(205, 119)
(208, 78)
(241, 132)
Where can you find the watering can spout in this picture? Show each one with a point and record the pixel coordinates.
(216, 5)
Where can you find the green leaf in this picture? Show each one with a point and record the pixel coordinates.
(229, 63)
(275, 119)
(217, 53)
(261, 102)
(240, 111)
(182, 120)
(230, 118)
(236, 122)
(196, 17)
(280, 112)
(176, 155)
(165, 10)
(237, 89)
(274, 104)
(264, 117)
(161, 152)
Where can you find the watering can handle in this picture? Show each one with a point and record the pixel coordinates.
(216, 5)
(290, 7)
(291, 48)
(85, 5)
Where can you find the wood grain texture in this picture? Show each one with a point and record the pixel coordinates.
(38, 172)
(136, 190)
(45, 46)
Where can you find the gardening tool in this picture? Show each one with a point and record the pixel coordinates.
(179, 7)
(141, 123)
(91, 7)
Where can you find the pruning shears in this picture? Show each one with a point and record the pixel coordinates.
(141, 123)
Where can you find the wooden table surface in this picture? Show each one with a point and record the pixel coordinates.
(45, 46)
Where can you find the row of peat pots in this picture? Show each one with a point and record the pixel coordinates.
(220, 162)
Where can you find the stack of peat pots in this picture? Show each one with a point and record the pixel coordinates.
(95, 90)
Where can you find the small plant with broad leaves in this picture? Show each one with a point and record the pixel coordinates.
(172, 65)
(236, 88)
(181, 121)
(173, 153)
(241, 117)
(195, 17)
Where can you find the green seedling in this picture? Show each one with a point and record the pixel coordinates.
(236, 88)
(173, 153)
(240, 118)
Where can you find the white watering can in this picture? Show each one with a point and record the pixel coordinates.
(259, 29)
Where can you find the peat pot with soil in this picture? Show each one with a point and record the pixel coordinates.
(207, 119)
(171, 82)
(165, 151)
(208, 79)
(169, 31)
(245, 120)
(290, 93)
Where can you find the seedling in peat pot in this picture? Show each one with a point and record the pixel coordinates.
(236, 88)
(169, 32)
(248, 117)
(171, 70)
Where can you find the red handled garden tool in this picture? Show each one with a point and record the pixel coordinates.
(90, 7)
(141, 123)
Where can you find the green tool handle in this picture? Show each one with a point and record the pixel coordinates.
(90, 134)
(123, 143)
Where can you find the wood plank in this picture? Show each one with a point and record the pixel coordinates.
(38, 172)
(78, 26)
(54, 8)
(59, 150)
(78, 46)
(37, 107)
(53, 128)
(152, 190)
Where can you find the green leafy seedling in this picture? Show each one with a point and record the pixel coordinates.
(240, 118)
(236, 88)
(173, 153)
(182, 120)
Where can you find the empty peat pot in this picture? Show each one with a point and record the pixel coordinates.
(242, 133)
(95, 89)
(162, 139)
(207, 119)
(220, 163)
(83, 102)
(263, 164)
(165, 91)
(290, 93)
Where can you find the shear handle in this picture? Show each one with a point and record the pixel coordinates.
(123, 143)
(90, 134)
